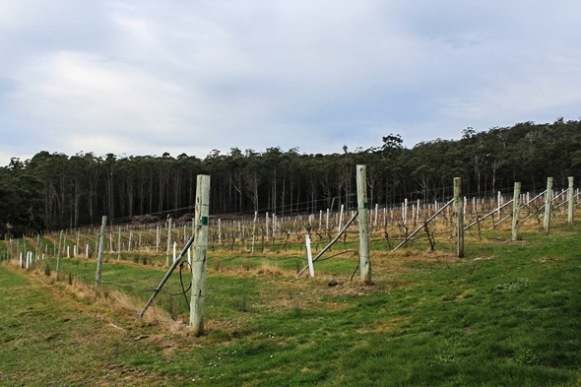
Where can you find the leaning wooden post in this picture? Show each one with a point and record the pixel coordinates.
(101, 249)
(516, 212)
(458, 204)
(362, 209)
(571, 202)
(548, 204)
(199, 264)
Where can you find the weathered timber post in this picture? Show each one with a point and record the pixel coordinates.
(199, 264)
(516, 212)
(157, 237)
(254, 232)
(267, 225)
(58, 257)
(309, 255)
(118, 242)
(362, 209)
(60, 241)
(571, 202)
(169, 244)
(459, 217)
(37, 247)
(498, 203)
(100, 255)
(548, 204)
(340, 224)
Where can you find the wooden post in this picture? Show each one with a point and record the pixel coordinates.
(58, 257)
(253, 232)
(101, 249)
(340, 224)
(459, 217)
(58, 254)
(169, 244)
(37, 247)
(119, 243)
(571, 202)
(362, 209)
(309, 255)
(548, 204)
(418, 206)
(516, 212)
(157, 237)
(199, 264)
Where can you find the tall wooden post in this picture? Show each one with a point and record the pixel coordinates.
(118, 242)
(58, 257)
(571, 202)
(340, 226)
(363, 211)
(254, 232)
(101, 250)
(199, 264)
(516, 212)
(548, 204)
(309, 255)
(157, 237)
(459, 217)
(169, 244)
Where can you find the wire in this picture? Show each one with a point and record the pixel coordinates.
(184, 291)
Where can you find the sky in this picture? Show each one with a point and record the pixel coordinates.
(189, 76)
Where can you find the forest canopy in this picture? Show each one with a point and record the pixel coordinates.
(53, 190)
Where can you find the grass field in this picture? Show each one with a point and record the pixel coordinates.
(509, 314)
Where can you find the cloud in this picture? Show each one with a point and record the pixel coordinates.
(69, 92)
(150, 77)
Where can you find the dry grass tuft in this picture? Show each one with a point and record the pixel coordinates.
(268, 268)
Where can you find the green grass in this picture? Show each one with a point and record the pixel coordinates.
(507, 315)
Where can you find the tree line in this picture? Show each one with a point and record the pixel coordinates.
(53, 190)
